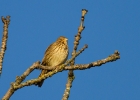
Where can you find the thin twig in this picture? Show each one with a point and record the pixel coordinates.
(6, 22)
(76, 43)
(21, 78)
(110, 58)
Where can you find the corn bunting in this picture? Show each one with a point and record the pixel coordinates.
(55, 55)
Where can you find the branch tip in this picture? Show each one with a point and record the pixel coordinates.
(86, 46)
(117, 52)
(84, 11)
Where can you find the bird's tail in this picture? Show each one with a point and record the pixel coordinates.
(42, 73)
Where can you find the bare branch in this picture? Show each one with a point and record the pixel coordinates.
(76, 43)
(21, 78)
(110, 58)
(6, 22)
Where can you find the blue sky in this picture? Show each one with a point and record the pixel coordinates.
(109, 25)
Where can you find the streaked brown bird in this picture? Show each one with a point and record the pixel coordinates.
(56, 54)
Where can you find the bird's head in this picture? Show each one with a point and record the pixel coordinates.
(62, 39)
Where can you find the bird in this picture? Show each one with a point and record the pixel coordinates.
(56, 54)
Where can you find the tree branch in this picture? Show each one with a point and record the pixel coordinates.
(76, 43)
(110, 58)
(6, 22)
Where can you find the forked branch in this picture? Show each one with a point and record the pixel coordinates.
(76, 43)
